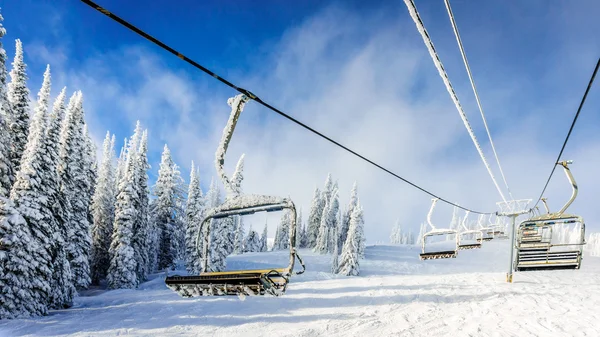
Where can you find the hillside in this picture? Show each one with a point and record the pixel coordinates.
(396, 294)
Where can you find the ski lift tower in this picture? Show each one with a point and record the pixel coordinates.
(512, 209)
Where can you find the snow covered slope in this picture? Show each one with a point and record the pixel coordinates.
(396, 295)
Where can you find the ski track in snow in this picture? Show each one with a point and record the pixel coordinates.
(396, 295)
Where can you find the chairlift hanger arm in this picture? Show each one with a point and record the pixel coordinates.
(464, 222)
(433, 202)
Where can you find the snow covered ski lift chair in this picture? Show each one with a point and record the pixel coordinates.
(539, 244)
(271, 281)
(497, 230)
(486, 232)
(426, 253)
(465, 238)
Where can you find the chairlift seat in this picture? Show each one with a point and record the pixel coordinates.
(472, 243)
(248, 282)
(535, 260)
(240, 282)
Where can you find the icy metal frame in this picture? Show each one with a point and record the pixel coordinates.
(534, 252)
(252, 282)
(246, 205)
(434, 232)
(485, 236)
(478, 235)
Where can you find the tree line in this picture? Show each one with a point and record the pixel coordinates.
(69, 221)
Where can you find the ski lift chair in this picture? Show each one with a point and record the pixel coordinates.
(537, 244)
(463, 238)
(437, 254)
(271, 281)
(497, 230)
(486, 232)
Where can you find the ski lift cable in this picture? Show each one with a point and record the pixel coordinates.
(442, 72)
(569, 133)
(464, 57)
(263, 103)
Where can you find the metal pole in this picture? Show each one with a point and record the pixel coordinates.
(509, 276)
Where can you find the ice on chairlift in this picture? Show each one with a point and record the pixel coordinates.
(450, 249)
(464, 241)
(551, 240)
(271, 281)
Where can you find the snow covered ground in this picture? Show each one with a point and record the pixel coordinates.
(396, 295)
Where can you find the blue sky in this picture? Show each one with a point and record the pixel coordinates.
(357, 71)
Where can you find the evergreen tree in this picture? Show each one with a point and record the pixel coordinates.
(90, 167)
(230, 224)
(298, 229)
(18, 97)
(314, 218)
(31, 194)
(165, 192)
(277, 237)
(396, 233)
(323, 239)
(194, 214)
(360, 232)
(153, 238)
(454, 223)
(6, 172)
(349, 259)
(63, 290)
(345, 223)
(263, 240)
(334, 261)
(103, 210)
(328, 189)
(122, 272)
(239, 236)
(74, 172)
(238, 176)
(282, 237)
(121, 163)
(218, 239)
(422, 231)
(19, 284)
(179, 212)
(328, 221)
(252, 242)
(303, 237)
(140, 239)
(334, 226)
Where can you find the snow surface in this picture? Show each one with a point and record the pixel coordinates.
(396, 294)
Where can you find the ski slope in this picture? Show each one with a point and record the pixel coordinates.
(396, 295)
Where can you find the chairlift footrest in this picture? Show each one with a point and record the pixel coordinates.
(470, 246)
(438, 255)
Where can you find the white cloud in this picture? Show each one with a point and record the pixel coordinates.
(367, 86)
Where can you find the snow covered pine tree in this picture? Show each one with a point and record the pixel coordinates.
(194, 213)
(349, 260)
(28, 240)
(122, 272)
(6, 174)
(18, 98)
(103, 209)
